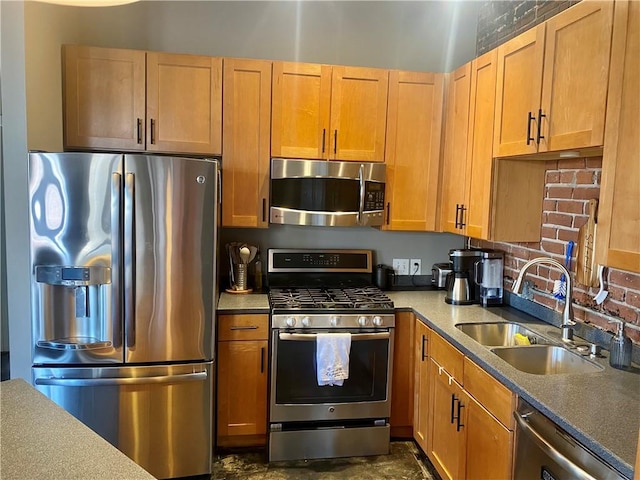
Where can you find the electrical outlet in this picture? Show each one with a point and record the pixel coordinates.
(401, 266)
(415, 266)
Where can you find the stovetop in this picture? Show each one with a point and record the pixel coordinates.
(328, 298)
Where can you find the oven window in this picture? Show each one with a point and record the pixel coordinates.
(316, 194)
(296, 381)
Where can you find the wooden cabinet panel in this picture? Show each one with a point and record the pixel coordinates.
(300, 116)
(454, 168)
(245, 155)
(110, 103)
(401, 420)
(520, 63)
(358, 113)
(243, 327)
(480, 147)
(618, 242)
(242, 363)
(329, 112)
(447, 435)
(104, 98)
(447, 356)
(489, 453)
(576, 61)
(414, 132)
(421, 385)
(242, 389)
(184, 103)
(493, 395)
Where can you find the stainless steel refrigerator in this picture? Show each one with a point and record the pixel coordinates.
(123, 292)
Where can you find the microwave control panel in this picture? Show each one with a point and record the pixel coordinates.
(374, 196)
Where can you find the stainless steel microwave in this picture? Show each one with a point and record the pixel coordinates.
(327, 193)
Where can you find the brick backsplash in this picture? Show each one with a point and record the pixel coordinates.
(503, 20)
(569, 185)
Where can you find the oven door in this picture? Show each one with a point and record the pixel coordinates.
(296, 395)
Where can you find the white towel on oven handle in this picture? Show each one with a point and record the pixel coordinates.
(332, 358)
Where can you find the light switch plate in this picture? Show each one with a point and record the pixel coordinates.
(401, 266)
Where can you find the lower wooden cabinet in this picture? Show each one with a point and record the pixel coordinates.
(470, 426)
(242, 364)
(401, 420)
(421, 384)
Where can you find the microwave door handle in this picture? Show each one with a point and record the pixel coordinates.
(362, 193)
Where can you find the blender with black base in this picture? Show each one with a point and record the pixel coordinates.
(462, 288)
(488, 277)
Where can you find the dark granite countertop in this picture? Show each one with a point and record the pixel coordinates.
(601, 410)
(41, 440)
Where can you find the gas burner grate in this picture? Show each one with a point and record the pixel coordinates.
(329, 298)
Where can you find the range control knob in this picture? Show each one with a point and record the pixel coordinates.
(362, 320)
(335, 321)
(291, 321)
(377, 321)
(306, 321)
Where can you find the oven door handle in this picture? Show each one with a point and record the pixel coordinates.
(311, 337)
(550, 450)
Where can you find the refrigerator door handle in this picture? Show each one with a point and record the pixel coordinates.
(129, 260)
(100, 382)
(116, 258)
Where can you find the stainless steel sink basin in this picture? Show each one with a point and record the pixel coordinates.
(498, 334)
(545, 360)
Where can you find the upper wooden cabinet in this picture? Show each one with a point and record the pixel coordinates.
(618, 241)
(541, 102)
(454, 166)
(500, 199)
(246, 133)
(328, 112)
(110, 103)
(414, 131)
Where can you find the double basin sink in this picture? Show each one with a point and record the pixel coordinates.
(539, 357)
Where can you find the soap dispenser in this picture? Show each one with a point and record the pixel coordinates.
(620, 350)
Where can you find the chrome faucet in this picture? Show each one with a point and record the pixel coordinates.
(567, 314)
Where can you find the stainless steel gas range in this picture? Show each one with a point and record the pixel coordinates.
(315, 292)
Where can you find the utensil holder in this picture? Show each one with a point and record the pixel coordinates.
(240, 275)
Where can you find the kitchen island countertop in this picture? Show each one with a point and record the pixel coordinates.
(601, 410)
(41, 440)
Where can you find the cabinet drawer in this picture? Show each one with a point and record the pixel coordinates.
(447, 356)
(243, 327)
(490, 393)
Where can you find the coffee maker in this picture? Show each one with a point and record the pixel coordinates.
(476, 277)
(461, 286)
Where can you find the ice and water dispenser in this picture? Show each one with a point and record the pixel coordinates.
(72, 306)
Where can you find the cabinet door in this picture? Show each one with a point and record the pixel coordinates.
(520, 63)
(489, 445)
(104, 98)
(245, 159)
(414, 130)
(242, 389)
(454, 177)
(184, 103)
(618, 240)
(421, 385)
(300, 114)
(403, 376)
(576, 61)
(358, 113)
(447, 430)
(480, 149)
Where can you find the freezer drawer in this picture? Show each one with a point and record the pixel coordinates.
(159, 416)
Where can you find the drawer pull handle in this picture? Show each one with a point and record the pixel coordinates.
(244, 327)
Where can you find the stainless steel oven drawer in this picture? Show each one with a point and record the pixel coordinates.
(329, 443)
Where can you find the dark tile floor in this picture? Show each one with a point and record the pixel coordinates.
(405, 462)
